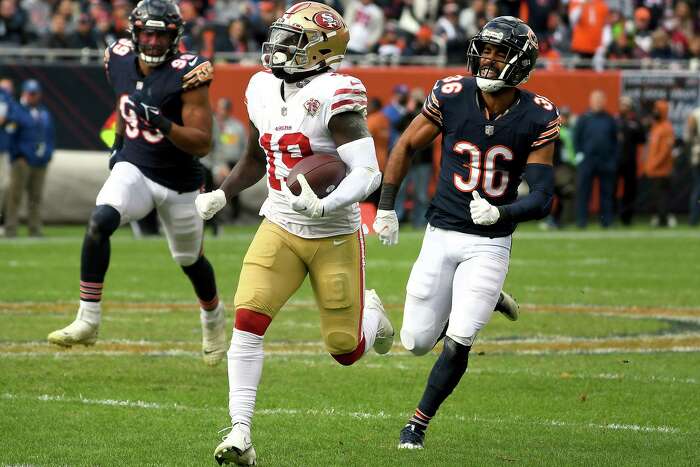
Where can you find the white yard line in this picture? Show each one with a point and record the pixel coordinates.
(332, 412)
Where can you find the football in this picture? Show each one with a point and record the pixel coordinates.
(322, 171)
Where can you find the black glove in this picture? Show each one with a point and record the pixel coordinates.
(116, 147)
(146, 111)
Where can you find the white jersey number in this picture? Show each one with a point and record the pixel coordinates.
(494, 182)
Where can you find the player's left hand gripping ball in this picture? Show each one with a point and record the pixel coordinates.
(148, 112)
(307, 203)
(208, 204)
(483, 212)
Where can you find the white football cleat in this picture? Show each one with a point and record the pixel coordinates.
(236, 447)
(77, 332)
(507, 306)
(385, 333)
(214, 336)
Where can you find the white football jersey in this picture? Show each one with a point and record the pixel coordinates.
(295, 127)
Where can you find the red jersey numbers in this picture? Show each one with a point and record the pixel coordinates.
(283, 153)
(451, 84)
(482, 170)
(131, 123)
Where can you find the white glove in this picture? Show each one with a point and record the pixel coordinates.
(208, 204)
(482, 212)
(386, 224)
(307, 203)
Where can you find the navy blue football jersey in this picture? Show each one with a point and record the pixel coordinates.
(488, 156)
(144, 146)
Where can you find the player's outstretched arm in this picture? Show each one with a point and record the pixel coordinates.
(245, 173)
(420, 133)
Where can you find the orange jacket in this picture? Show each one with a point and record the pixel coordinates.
(587, 33)
(379, 127)
(659, 161)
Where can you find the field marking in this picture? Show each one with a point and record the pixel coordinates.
(304, 305)
(332, 412)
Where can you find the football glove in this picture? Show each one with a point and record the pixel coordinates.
(386, 224)
(208, 204)
(148, 112)
(483, 212)
(307, 203)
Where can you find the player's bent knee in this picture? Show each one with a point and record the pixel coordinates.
(345, 349)
(185, 260)
(465, 341)
(104, 220)
(417, 343)
(251, 321)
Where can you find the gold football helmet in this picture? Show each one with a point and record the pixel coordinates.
(309, 36)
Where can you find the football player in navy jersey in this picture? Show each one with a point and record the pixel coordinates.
(164, 126)
(492, 134)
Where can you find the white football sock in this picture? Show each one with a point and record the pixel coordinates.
(90, 312)
(211, 316)
(370, 324)
(245, 364)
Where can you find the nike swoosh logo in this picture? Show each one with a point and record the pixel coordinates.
(193, 61)
(207, 352)
(338, 242)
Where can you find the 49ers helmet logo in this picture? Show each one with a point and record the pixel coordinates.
(327, 20)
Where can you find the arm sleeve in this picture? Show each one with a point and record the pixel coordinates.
(536, 204)
(363, 176)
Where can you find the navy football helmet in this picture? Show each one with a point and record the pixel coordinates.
(156, 15)
(519, 43)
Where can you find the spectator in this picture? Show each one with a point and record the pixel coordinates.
(621, 48)
(57, 37)
(558, 33)
(694, 54)
(7, 106)
(587, 17)
(470, 17)
(423, 44)
(13, 24)
(391, 45)
(395, 110)
(693, 150)
(237, 38)
(564, 173)
(416, 13)
(631, 134)
(538, 14)
(595, 141)
(660, 46)
(419, 173)
(380, 128)
(260, 25)
(105, 32)
(365, 21)
(659, 164)
(642, 30)
(448, 29)
(194, 24)
(30, 152)
(84, 35)
(229, 146)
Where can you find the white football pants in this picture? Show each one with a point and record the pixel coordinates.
(134, 195)
(457, 276)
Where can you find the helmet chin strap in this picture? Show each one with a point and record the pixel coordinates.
(151, 60)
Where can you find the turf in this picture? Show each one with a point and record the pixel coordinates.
(601, 369)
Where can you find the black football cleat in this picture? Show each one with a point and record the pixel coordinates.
(410, 438)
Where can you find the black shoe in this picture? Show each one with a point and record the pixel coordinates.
(411, 438)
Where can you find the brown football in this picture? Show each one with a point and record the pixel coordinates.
(322, 171)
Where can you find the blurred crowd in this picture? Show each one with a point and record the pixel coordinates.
(594, 31)
(633, 160)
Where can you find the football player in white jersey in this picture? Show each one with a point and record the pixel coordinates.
(300, 107)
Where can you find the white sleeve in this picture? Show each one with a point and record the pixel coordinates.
(363, 176)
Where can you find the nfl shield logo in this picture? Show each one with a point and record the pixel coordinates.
(283, 111)
(488, 130)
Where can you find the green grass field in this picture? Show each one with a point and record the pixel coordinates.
(603, 368)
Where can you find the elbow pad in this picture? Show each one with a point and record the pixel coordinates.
(537, 204)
